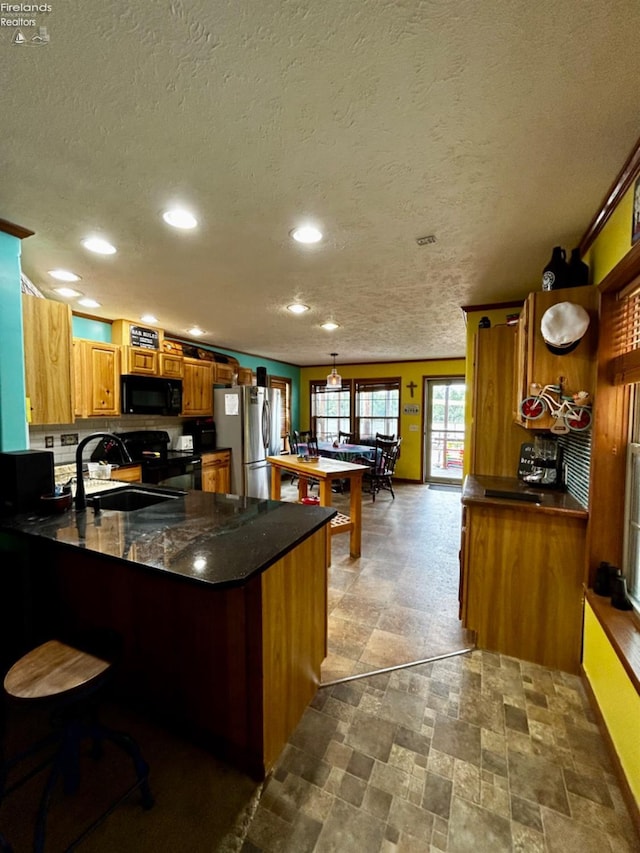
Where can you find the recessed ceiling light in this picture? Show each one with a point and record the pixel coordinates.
(149, 318)
(98, 245)
(68, 292)
(307, 234)
(297, 308)
(330, 326)
(179, 218)
(88, 303)
(195, 331)
(64, 275)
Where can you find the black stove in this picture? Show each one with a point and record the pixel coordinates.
(150, 449)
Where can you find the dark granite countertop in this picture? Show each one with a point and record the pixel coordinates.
(215, 539)
(509, 492)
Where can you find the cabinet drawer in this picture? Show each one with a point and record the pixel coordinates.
(139, 360)
(130, 474)
(217, 459)
(245, 376)
(171, 366)
(224, 374)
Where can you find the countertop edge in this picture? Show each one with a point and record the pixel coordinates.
(473, 493)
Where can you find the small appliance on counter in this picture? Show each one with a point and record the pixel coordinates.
(203, 433)
(25, 475)
(541, 463)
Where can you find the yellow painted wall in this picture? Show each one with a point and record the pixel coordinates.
(617, 698)
(411, 426)
(613, 242)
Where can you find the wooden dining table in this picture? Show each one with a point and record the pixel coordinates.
(325, 470)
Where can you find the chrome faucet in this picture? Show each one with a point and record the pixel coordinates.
(80, 501)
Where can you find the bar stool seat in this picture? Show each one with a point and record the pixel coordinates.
(65, 681)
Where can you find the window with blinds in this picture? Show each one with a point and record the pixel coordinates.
(363, 408)
(625, 337)
(377, 407)
(284, 385)
(330, 410)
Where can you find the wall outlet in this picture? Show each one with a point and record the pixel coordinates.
(48, 441)
(68, 438)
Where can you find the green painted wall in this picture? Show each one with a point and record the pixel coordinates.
(13, 414)
(91, 330)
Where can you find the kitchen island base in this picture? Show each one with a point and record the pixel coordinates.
(233, 667)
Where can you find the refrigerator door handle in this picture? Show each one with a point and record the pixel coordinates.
(266, 424)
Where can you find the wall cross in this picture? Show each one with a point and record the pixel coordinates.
(411, 386)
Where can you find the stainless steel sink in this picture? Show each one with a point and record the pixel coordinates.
(129, 498)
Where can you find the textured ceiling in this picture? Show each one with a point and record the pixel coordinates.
(498, 127)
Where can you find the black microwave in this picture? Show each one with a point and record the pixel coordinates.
(150, 395)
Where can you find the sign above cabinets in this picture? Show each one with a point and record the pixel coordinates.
(145, 338)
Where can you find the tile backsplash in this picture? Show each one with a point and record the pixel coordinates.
(85, 426)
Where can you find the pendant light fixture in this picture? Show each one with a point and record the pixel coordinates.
(334, 380)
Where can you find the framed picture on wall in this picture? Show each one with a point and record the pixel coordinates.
(635, 228)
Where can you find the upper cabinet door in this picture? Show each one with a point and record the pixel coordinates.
(98, 373)
(197, 388)
(535, 363)
(48, 360)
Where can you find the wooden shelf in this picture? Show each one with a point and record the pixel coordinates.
(341, 524)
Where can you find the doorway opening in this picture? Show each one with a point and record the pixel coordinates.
(444, 429)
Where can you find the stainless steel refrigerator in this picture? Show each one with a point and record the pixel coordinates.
(248, 421)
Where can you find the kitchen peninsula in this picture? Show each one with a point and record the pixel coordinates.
(219, 601)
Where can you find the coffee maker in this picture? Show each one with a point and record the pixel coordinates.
(541, 462)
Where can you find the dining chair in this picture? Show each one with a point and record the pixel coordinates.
(309, 444)
(385, 437)
(381, 471)
(345, 437)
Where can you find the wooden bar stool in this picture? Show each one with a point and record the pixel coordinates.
(66, 681)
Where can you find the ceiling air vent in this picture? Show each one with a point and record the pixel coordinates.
(424, 241)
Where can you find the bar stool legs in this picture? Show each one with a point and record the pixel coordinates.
(70, 678)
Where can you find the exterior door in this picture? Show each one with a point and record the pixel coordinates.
(444, 433)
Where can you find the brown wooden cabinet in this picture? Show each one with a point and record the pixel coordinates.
(495, 439)
(127, 474)
(575, 371)
(97, 378)
(48, 360)
(139, 360)
(171, 366)
(522, 575)
(197, 388)
(223, 373)
(245, 376)
(216, 471)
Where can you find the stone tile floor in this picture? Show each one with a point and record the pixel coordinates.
(475, 752)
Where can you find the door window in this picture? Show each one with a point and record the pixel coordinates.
(444, 445)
